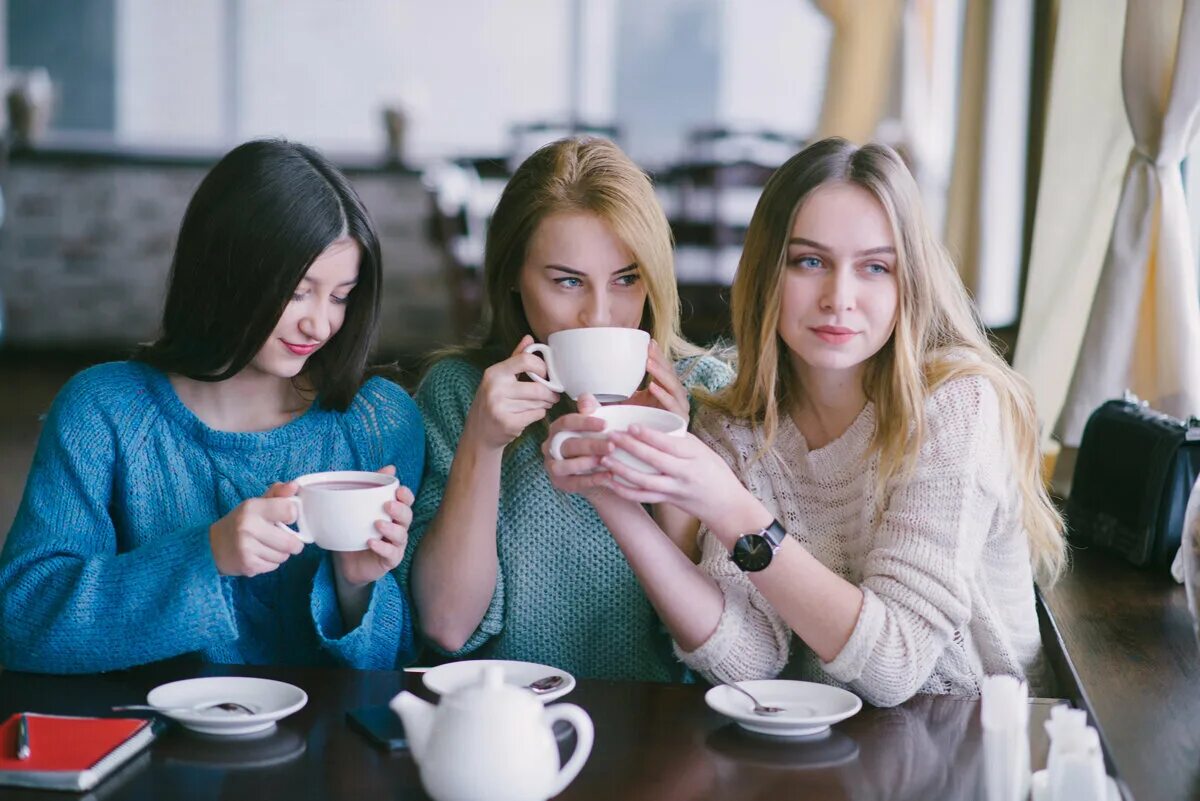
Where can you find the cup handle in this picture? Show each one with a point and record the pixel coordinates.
(300, 531)
(584, 734)
(556, 443)
(553, 384)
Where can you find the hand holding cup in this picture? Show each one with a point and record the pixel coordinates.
(504, 406)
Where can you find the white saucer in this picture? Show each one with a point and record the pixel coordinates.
(1039, 789)
(451, 676)
(270, 699)
(808, 708)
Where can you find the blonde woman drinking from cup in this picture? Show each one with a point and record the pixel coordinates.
(868, 487)
(153, 519)
(504, 566)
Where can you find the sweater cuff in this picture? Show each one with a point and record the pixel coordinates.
(384, 636)
(208, 611)
(848, 665)
(491, 625)
(714, 651)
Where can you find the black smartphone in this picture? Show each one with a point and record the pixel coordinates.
(380, 725)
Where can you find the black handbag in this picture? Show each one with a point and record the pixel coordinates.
(1133, 474)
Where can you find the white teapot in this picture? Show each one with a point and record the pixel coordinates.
(491, 741)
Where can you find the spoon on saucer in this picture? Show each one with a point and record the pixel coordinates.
(759, 709)
(224, 706)
(545, 684)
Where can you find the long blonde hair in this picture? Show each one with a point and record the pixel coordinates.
(936, 327)
(585, 174)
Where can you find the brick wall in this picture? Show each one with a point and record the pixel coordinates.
(85, 251)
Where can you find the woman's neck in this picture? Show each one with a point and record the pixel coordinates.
(249, 401)
(829, 403)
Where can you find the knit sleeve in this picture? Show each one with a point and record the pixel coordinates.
(917, 576)
(387, 430)
(444, 398)
(751, 640)
(71, 599)
(705, 372)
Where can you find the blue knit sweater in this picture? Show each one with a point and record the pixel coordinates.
(108, 564)
(565, 594)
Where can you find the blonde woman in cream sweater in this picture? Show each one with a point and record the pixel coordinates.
(865, 496)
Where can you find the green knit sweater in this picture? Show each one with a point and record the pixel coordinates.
(565, 595)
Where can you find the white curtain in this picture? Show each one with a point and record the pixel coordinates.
(1085, 146)
(931, 36)
(1144, 327)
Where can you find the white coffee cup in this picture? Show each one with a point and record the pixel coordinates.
(337, 510)
(606, 362)
(620, 418)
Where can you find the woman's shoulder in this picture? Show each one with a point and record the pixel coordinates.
(962, 421)
(107, 387)
(724, 433)
(970, 400)
(386, 399)
(706, 370)
(449, 377)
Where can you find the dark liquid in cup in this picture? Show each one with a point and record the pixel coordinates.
(342, 485)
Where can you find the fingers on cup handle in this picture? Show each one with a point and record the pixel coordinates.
(556, 443)
(525, 342)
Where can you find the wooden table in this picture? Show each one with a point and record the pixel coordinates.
(653, 741)
(1125, 649)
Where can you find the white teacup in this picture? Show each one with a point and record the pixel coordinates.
(606, 362)
(337, 510)
(620, 418)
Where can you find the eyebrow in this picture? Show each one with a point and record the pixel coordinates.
(799, 240)
(351, 282)
(573, 271)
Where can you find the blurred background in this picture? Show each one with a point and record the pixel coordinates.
(1050, 139)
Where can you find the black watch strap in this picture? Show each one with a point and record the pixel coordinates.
(753, 552)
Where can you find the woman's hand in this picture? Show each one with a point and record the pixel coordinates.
(359, 568)
(665, 390)
(503, 405)
(247, 541)
(690, 476)
(579, 470)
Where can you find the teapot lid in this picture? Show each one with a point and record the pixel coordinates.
(492, 689)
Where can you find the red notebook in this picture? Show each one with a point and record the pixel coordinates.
(69, 753)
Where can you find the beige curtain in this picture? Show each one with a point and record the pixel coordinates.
(986, 209)
(860, 66)
(1144, 326)
(1085, 146)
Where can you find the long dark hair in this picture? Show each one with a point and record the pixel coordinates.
(257, 222)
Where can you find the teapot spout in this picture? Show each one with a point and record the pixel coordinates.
(417, 716)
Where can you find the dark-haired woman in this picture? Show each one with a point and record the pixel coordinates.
(148, 525)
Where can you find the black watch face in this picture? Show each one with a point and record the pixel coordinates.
(752, 552)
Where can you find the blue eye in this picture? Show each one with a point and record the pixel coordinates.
(629, 279)
(877, 269)
(807, 262)
(569, 282)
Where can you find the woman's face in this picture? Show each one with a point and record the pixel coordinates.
(840, 298)
(314, 314)
(579, 274)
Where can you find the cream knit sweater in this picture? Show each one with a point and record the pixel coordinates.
(943, 565)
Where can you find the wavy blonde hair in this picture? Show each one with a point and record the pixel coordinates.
(590, 175)
(936, 327)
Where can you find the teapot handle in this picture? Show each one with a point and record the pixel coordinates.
(584, 734)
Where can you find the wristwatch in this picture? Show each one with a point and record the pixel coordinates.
(753, 552)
